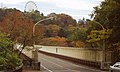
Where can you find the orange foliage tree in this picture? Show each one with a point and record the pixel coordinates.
(52, 30)
(18, 27)
(55, 41)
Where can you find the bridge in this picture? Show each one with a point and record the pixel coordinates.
(68, 59)
(86, 56)
(51, 63)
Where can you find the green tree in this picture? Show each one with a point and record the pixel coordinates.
(8, 58)
(35, 16)
(97, 32)
(63, 32)
(108, 15)
(78, 34)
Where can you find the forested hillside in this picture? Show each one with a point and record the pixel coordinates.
(62, 31)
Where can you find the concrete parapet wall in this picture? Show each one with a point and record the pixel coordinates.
(79, 53)
(85, 54)
(75, 60)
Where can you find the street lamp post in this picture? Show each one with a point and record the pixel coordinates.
(35, 51)
(103, 49)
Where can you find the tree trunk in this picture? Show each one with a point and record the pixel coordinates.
(24, 44)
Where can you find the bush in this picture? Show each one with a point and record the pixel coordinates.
(78, 44)
(8, 58)
(54, 41)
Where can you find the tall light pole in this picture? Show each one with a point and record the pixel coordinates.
(35, 51)
(103, 49)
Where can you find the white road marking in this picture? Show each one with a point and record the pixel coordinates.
(46, 68)
(73, 65)
(58, 65)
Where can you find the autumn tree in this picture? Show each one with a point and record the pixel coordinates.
(65, 20)
(18, 27)
(54, 41)
(62, 20)
(40, 32)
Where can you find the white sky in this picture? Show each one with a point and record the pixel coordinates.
(75, 8)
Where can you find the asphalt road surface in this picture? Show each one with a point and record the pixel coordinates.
(52, 64)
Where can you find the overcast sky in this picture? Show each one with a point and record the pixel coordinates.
(75, 8)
